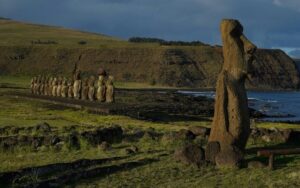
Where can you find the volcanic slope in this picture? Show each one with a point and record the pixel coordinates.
(31, 49)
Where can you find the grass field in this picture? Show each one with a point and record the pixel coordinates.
(159, 170)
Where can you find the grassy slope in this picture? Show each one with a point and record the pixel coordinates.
(14, 33)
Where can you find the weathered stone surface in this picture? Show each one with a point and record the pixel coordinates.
(91, 88)
(184, 134)
(110, 90)
(199, 130)
(190, 155)
(229, 157)
(84, 89)
(211, 151)
(101, 89)
(231, 124)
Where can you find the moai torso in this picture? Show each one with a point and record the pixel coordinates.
(77, 89)
(32, 84)
(50, 86)
(84, 90)
(70, 89)
(101, 89)
(91, 85)
(110, 95)
(54, 86)
(42, 86)
(64, 88)
(58, 89)
(37, 85)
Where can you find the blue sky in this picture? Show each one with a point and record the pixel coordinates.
(268, 23)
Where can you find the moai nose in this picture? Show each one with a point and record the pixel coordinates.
(249, 47)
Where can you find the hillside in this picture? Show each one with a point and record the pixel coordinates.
(28, 49)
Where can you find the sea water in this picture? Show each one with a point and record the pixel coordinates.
(282, 106)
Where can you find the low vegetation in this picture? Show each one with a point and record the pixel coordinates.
(142, 158)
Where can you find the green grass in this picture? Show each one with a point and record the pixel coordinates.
(165, 172)
(14, 33)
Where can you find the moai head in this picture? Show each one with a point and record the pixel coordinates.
(64, 82)
(91, 81)
(77, 75)
(54, 82)
(50, 80)
(70, 82)
(110, 80)
(38, 79)
(85, 82)
(237, 49)
(101, 72)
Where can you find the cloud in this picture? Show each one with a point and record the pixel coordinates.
(292, 4)
(295, 53)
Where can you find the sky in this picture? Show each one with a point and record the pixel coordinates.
(267, 23)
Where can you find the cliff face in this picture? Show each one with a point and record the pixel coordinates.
(172, 66)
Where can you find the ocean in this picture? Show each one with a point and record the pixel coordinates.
(281, 105)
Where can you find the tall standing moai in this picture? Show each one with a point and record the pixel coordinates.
(231, 124)
(101, 88)
(110, 90)
(77, 84)
(91, 90)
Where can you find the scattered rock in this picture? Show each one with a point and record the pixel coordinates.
(105, 146)
(43, 128)
(131, 150)
(73, 141)
(211, 151)
(229, 157)
(256, 164)
(190, 155)
(199, 130)
(184, 134)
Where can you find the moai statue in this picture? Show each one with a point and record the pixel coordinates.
(59, 84)
(77, 85)
(38, 85)
(54, 86)
(231, 125)
(50, 86)
(101, 89)
(70, 88)
(91, 92)
(32, 84)
(64, 88)
(84, 89)
(45, 90)
(110, 90)
(42, 85)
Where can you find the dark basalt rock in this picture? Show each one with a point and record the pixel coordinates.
(190, 155)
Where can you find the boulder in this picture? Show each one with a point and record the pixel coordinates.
(229, 157)
(190, 155)
(184, 134)
(211, 151)
(199, 130)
